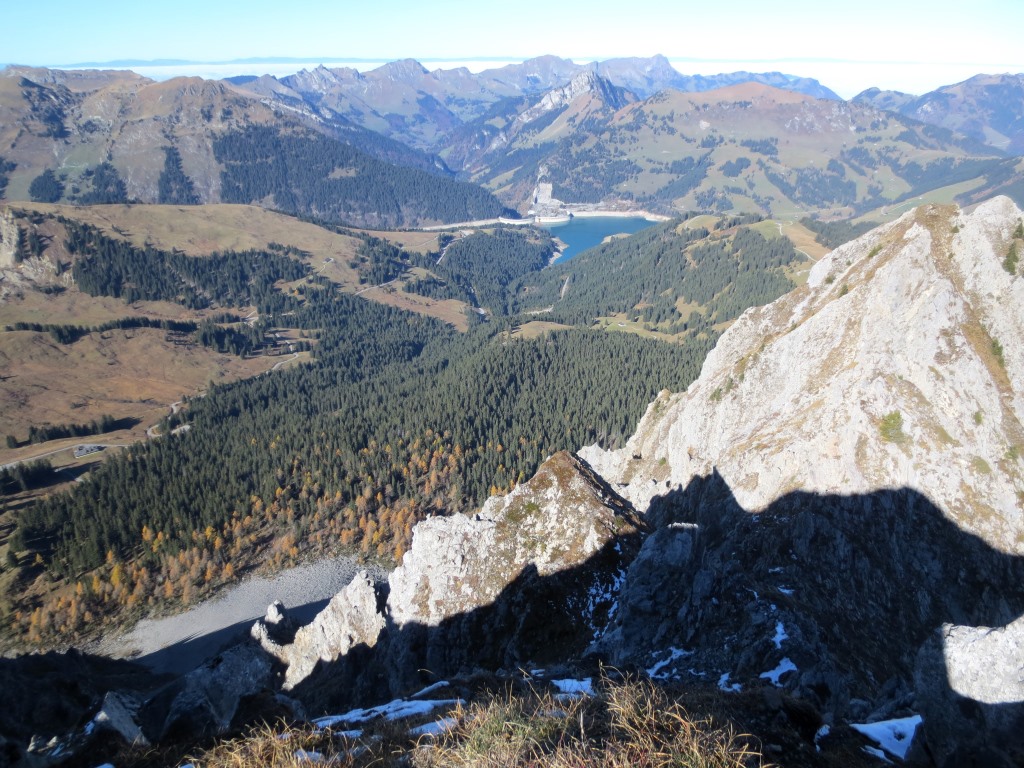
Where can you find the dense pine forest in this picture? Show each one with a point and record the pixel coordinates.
(312, 175)
(396, 417)
(664, 269)
(112, 267)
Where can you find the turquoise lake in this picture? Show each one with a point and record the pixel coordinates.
(582, 233)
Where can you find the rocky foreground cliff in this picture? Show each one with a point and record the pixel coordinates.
(897, 365)
(845, 483)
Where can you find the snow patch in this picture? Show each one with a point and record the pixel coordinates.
(780, 635)
(674, 654)
(894, 736)
(398, 709)
(430, 689)
(584, 687)
(874, 752)
(774, 674)
(601, 594)
(435, 728)
(819, 735)
(725, 685)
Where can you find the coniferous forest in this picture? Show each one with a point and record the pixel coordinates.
(651, 274)
(397, 416)
(333, 181)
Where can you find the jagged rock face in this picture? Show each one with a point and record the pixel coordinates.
(206, 700)
(880, 372)
(556, 521)
(529, 578)
(354, 617)
(585, 82)
(843, 480)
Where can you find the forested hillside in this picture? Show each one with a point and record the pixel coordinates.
(110, 267)
(398, 416)
(480, 269)
(313, 175)
(671, 277)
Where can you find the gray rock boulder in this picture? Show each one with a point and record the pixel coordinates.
(119, 714)
(206, 700)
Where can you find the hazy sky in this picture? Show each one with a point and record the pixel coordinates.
(909, 45)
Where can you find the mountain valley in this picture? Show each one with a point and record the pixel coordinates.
(746, 482)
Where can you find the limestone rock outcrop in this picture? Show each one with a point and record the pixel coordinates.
(531, 577)
(353, 617)
(9, 238)
(970, 682)
(206, 700)
(843, 479)
(559, 519)
(896, 365)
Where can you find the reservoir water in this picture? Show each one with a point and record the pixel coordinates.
(583, 232)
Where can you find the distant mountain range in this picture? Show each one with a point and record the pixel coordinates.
(221, 144)
(748, 147)
(545, 133)
(990, 108)
(404, 100)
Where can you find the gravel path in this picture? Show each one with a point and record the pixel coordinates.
(179, 643)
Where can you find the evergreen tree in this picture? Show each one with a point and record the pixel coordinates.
(174, 187)
(46, 188)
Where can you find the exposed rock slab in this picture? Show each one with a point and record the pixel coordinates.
(558, 520)
(878, 373)
(353, 617)
(530, 577)
(850, 461)
(970, 686)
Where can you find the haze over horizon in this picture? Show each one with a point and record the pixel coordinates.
(913, 47)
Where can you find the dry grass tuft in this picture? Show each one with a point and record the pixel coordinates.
(628, 724)
(631, 724)
(283, 747)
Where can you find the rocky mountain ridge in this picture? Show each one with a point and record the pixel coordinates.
(907, 316)
(747, 147)
(756, 143)
(404, 100)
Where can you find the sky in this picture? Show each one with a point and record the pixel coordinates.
(907, 45)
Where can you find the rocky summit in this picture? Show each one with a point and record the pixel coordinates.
(532, 577)
(845, 486)
(896, 365)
